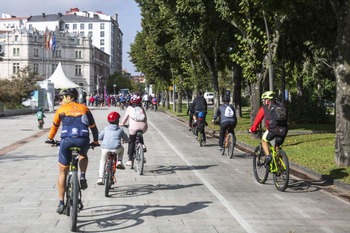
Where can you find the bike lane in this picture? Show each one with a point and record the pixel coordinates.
(185, 188)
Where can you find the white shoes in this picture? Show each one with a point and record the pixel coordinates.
(100, 181)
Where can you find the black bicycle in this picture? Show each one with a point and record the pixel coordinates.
(73, 203)
(138, 155)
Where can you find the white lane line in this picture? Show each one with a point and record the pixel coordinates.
(233, 212)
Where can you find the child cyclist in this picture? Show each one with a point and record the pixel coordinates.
(40, 115)
(111, 136)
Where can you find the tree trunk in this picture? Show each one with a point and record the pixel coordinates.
(237, 93)
(255, 97)
(342, 73)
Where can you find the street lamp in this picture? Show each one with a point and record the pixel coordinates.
(114, 85)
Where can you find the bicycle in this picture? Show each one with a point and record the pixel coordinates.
(109, 172)
(73, 203)
(279, 166)
(229, 144)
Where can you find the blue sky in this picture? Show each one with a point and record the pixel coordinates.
(127, 10)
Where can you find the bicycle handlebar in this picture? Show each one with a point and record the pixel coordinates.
(55, 143)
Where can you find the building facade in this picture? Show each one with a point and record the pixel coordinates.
(82, 62)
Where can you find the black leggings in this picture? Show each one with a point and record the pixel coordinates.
(131, 146)
(223, 127)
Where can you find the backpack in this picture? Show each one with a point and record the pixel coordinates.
(229, 112)
(138, 114)
(280, 116)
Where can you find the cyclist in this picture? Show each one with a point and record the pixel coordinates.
(228, 120)
(134, 124)
(269, 101)
(76, 120)
(200, 125)
(40, 116)
(199, 105)
(111, 137)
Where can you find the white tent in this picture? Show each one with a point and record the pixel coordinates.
(60, 80)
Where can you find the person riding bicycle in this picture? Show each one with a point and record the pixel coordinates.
(200, 125)
(76, 120)
(40, 116)
(228, 120)
(137, 117)
(199, 105)
(154, 102)
(111, 136)
(265, 112)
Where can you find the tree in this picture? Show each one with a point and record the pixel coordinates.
(19, 87)
(342, 73)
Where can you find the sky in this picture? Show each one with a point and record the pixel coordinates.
(129, 17)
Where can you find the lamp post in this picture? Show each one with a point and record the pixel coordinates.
(114, 85)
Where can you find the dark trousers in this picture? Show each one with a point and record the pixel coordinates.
(131, 146)
(223, 127)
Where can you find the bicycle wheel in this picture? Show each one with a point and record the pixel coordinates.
(108, 176)
(260, 171)
(200, 138)
(281, 177)
(74, 200)
(230, 145)
(140, 159)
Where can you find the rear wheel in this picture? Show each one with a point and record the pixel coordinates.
(230, 145)
(281, 177)
(200, 138)
(74, 201)
(140, 159)
(108, 176)
(260, 171)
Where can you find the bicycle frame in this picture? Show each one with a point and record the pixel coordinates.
(110, 169)
(138, 153)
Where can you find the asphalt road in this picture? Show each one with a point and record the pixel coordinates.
(185, 188)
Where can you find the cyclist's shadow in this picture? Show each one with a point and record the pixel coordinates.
(118, 217)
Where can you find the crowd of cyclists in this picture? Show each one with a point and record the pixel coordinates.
(76, 120)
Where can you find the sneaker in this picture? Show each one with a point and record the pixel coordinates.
(189, 129)
(120, 165)
(268, 160)
(100, 181)
(83, 183)
(60, 209)
(129, 163)
(204, 142)
(144, 148)
(220, 148)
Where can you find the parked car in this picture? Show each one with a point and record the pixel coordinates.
(209, 97)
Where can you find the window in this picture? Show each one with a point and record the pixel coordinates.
(78, 54)
(77, 69)
(15, 51)
(16, 38)
(102, 26)
(90, 34)
(82, 33)
(81, 26)
(36, 52)
(90, 26)
(102, 49)
(58, 53)
(54, 66)
(102, 33)
(15, 68)
(36, 68)
(75, 26)
(102, 42)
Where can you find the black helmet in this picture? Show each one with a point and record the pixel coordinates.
(70, 91)
(226, 99)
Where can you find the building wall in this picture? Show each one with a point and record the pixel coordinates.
(25, 47)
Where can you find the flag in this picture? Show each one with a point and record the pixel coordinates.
(53, 43)
(48, 38)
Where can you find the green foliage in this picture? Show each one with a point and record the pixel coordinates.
(19, 87)
(307, 109)
(122, 81)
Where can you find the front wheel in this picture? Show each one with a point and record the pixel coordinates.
(108, 177)
(281, 176)
(260, 171)
(200, 138)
